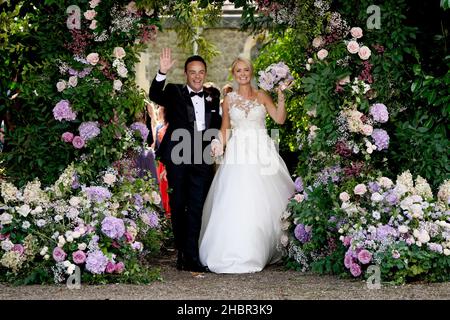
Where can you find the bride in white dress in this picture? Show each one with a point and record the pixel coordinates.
(241, 216)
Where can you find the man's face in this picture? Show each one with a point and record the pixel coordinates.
(195, 75)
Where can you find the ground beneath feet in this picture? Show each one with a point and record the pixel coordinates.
(274, 283)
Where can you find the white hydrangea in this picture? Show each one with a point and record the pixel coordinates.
(422, 188)
(9, 192)
(444, 193)
(406, 180)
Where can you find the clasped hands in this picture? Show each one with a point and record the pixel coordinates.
(216, 148)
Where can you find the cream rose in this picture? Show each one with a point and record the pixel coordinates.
(364, 53)
(61, 85)
(360, 189)
(344, 196)
(322, 54)
(317, 42)
(356, 32)
(353, 47)
(73, 81)
(93, 58)
(119, 52)
(122, 71)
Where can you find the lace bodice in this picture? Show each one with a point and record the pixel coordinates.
(246, 114)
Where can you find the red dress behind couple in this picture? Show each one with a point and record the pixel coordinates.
(163, 184)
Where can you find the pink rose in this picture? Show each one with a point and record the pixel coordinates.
(119, 52)
(93, 25)
(299, 197)
(364, 53)
(117, 85)
(360, 189)
(128, 236)
(67, 136)
(18, 248)
(120, 266)
(78, 142)
(322, 54)
(90, 14)
(364, 256)
(317, 42)
(353, 47)
(59, 255)
(79, 257)
(110, 267)
(348, 261)
(356, 32)
(92, 58)
(355, 270)
(344, 196)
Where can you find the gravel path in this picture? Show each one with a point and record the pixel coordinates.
(273, 283)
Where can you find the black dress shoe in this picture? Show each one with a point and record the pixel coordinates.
(195, 267)
(180, 261)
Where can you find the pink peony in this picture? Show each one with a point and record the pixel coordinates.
(356, 32)
(364, 53)
(79, 257)
(59, 255)
(93, 58)
(67, 136)
(353, 47)
(348, 261)
(355, 269)
(78, 142)
(110, 267)
(364, 256)
(120, 266)
(322, 54)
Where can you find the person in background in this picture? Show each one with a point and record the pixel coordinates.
(160, 130)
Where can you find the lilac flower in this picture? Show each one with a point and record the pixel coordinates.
(113, 227)
(142, 128)
(364, 256)
(302, 233)
(96, 262)
(89, 130)
(62, 111)
(379, 113)
(381, 138)
(299, 184)
(97, 194)
(374, 187)
(59, 255)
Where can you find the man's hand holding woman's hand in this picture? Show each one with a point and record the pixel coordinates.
(216, 148)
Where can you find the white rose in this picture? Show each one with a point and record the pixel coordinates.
(308, 67)
(322, 54)
(310, 60)
(61, 85)
(117, 85)
(66, 263)
(109, 179)
(122, 71)
(76, 235)
(82, 246)
(73, 81)
(71, 269)
(447, 252)
(43, 251)
(23, 210)
(364, 53)
(360, 189)
(356, 32)
(7, 245)
(341, 230)
(376, 197)
(119, 52)
(93, 58)
(37, 210)
(6, 218)
(75, 201)
(46, 257)
(385, 182)
(403, 229)
(344, 196)
(26, 225)
(70, 239)
(353, 47)
(156, 198)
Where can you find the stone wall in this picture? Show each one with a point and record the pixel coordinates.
(229, 41)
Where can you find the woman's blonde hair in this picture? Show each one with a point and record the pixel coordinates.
(247, 62)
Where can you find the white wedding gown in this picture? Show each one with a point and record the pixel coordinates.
(241, 216)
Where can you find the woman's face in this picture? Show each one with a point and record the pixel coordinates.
(242, 73)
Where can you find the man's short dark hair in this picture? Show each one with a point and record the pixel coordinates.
(194, 58)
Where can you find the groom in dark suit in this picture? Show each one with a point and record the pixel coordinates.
(192, 111)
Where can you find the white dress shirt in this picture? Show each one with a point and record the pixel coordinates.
(198, 102)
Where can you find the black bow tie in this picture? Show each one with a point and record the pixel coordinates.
(200, 94)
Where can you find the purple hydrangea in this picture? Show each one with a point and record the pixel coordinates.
(374, 187)
(113, 227)
(89, 130)
(96, 262)
(302, 233)
(62, 111)
(299, 184)
(381, 138)
(379, 113)
(385, 231)
(142, 128)
(391, 198)
(436, 247)
(97, 194)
